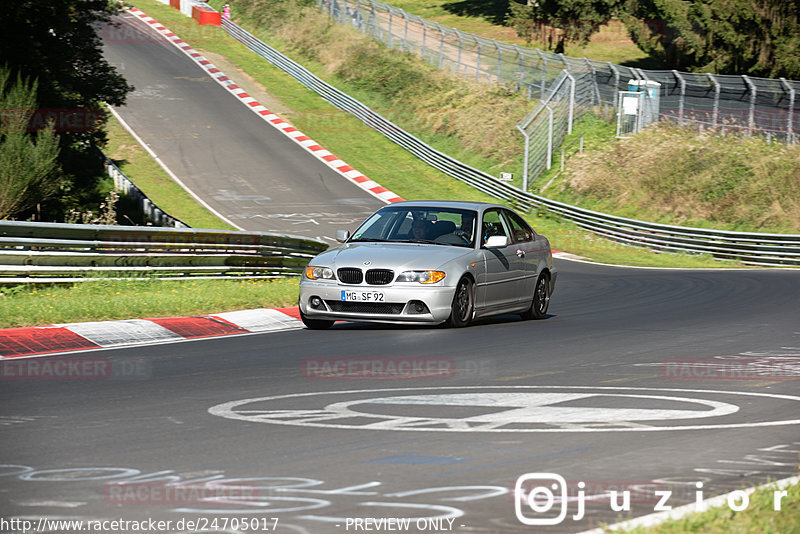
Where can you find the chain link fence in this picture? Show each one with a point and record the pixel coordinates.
(729, 104)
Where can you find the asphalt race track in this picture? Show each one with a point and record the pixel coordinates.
(640, 380)
(244, 168)
(591, 394)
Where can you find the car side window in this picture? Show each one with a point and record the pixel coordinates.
(492, 225)
(520, 231)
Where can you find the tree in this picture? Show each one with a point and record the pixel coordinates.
(57, 42)
(28, 162)
(757, 37)
(575, 20)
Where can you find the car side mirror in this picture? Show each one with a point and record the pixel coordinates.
(497, 241)
(342, 235)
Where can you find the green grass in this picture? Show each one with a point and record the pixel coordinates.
(388, 164)
(143, 170)
(759, 517)
(99, 300)
(360, 146)
(670, 175)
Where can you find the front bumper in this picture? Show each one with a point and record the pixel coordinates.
(400, 304)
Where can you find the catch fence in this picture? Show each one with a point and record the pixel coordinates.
(727, 103)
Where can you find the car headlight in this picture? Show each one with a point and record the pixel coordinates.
(315, 273)
(422, 277)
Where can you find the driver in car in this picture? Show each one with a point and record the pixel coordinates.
(420, 229)
(466, 228)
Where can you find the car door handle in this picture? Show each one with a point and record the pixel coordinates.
(521, 253)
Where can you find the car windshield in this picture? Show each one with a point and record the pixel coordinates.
(440, 226)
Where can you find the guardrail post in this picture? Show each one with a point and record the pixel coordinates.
(751, 119)
(790, 116)
(682, 83)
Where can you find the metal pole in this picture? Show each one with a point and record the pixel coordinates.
(405, 33)
(594, 81)
(549, 137)
(390, 29)
(639, 116)
(499, 60)
(571, 100)
(424, 35)
(790, 115)
(478, 67)
(525, 159)
(460, 46)
(751, 119)
(544, 72)
(682, 83)
(564, 60)
(519, 67)
(441, 46)
(715, 112)
(616, 84)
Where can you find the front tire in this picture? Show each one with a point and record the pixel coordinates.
(316, 324)
(463, 304)
(541, 299)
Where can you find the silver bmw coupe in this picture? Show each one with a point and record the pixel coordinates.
(429, 262)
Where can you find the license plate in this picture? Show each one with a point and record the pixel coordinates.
(362, 296)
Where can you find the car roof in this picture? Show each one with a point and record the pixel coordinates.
(459, 204)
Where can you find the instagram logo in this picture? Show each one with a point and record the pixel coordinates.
(538, 492)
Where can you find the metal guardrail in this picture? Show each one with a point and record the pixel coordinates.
(36, 250)
(131, 191)
(749, 247)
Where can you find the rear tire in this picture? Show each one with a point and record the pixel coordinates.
(541, 299)
(316, 324)
(463, 304)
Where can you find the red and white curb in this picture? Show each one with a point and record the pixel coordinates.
(269, 117)
(57, 338)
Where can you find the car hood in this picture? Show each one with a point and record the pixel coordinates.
(397, 256)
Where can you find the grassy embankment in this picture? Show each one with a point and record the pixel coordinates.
(360, 146)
